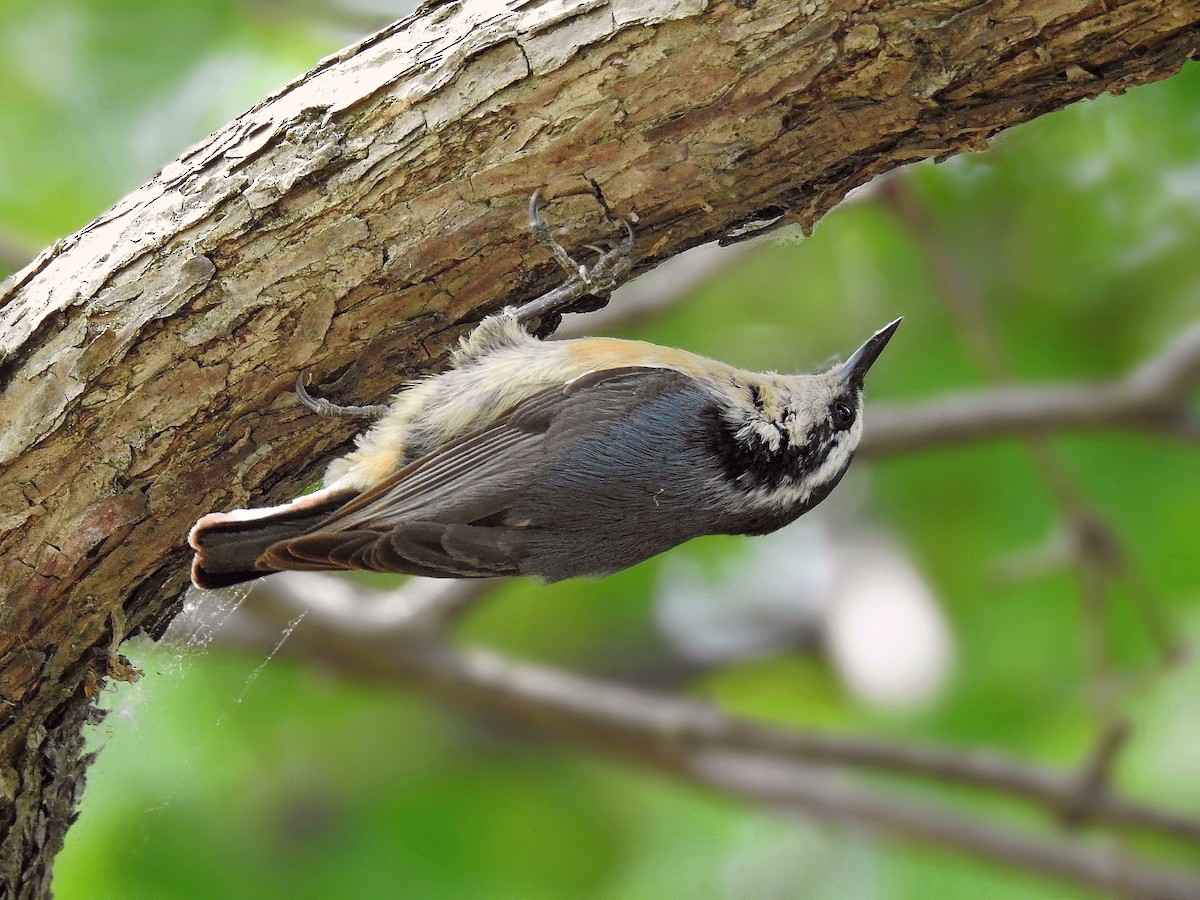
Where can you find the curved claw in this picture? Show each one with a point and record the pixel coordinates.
(324, 407)
(599, 279)
(302, 392)
(541, 232)
(627, 244)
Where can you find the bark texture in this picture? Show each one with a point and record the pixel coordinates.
(356, 222)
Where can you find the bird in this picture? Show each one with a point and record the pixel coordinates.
(556, 459)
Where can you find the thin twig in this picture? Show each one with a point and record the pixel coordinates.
(419, 605)
(1095, 775)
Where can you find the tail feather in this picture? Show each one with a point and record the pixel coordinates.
(228, 545)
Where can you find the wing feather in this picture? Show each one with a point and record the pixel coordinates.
(446, 514)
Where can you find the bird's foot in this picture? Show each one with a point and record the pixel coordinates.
(600, 278)
(324, 407)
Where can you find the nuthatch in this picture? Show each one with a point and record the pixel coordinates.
(556, 459)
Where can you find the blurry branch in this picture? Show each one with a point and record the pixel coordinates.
(1096, 772)
(396, 640)
(657, 290)
(1153, 397)
(1157, 392)
(785, 787)
(573, 701)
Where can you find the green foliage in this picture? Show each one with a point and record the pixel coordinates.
(1079, 233)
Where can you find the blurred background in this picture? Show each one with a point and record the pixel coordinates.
(938, 596)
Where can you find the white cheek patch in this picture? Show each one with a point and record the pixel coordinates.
(835, 460)
(764, 431)
(843, 446)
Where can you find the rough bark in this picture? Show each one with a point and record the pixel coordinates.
(354, 223)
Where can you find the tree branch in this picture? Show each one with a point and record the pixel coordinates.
(697, 742)
(1101, 869)
(383, 636)
(1153, 397)
(356, 222)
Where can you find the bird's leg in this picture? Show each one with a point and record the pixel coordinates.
(327, 408)
(598, 279)
(541, 232)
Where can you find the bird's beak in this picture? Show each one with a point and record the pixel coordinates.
(854, 370)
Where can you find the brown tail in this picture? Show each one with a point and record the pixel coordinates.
(228, 545)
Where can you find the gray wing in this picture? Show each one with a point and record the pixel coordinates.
(487, 504)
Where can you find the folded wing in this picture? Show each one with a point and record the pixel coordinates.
(463, 511)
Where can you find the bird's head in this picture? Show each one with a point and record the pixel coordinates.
(795, 435)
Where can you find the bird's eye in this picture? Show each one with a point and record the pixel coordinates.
(843, 415)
